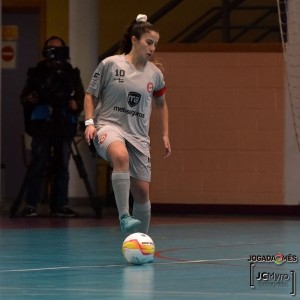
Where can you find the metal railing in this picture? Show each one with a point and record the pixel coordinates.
(152, 19)
(219, 19)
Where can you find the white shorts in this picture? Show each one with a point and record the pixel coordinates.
(139, 164)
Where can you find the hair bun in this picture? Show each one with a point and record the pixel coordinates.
(141, 18)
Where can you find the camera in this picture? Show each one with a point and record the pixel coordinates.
(56, 53)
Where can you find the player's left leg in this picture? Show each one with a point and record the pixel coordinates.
(140, 177)
(141, 205)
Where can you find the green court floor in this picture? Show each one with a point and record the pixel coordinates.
(196, 258)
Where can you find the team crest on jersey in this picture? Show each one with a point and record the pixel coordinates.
(133, 98)
(102, 138)
(150, 87)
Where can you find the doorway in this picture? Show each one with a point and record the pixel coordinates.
(27, 54)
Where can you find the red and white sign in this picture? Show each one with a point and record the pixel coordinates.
(8, 54)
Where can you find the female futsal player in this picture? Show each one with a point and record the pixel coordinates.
(123, 87)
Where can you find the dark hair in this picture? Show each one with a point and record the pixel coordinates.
(136, 29)
(57, 53)
(52, 38)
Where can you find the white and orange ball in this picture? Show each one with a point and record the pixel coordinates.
(138, 248)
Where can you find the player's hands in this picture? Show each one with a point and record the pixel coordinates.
(31, 98)
(90, 133)
(167, 146)
(73, 105)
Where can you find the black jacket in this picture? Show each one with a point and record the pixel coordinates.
(45, 97)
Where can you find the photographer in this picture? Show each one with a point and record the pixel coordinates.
(52, 100)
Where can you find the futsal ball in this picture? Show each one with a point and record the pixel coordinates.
(138, 248)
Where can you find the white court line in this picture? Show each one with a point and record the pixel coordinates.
(122, 265)
(138, 292)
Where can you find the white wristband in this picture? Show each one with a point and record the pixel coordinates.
(89, 122)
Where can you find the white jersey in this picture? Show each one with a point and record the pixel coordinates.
(125, 98)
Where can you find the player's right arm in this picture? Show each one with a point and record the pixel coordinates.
(90, 129)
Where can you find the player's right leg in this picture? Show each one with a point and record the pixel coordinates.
(111, 146)
(120, 178)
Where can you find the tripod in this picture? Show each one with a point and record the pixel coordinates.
(95, 202)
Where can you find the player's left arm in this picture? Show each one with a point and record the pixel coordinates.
(163, 115)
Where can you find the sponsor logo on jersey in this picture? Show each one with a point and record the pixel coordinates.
(133, 98)
(150, 87)
(132, 113)
(96, 75)
(94, 82)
